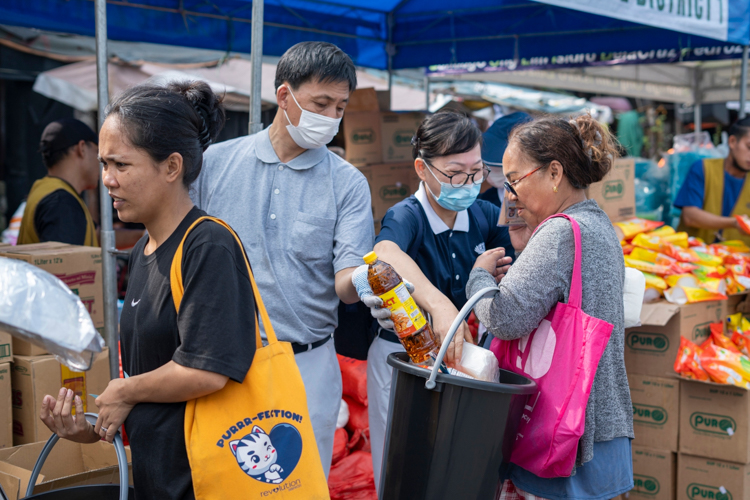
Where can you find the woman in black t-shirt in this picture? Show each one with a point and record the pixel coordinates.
(151, 148)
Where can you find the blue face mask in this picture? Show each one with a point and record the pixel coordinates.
(455, 198)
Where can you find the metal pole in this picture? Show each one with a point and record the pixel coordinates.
(697, 98)
(426, 93)
(390, 50)
(743, 82)
(109, 270)
(256, 65)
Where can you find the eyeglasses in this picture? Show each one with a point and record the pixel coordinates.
(509, 185)
(461, 178)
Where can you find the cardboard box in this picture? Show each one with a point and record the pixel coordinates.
(656, 407)
(650, 349)
(397, 130)
(78, 267)
(700, 478)
(615, 194)
(739, 302)
(32, 378)
(6, 347)
(69, 464)
(389, 184)
(714, 421)
(654, 474)
(6, 408)
(361, 124)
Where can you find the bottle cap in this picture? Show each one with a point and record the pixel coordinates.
(370, 258)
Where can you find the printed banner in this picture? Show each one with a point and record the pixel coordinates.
(660, 56)
(708, 18)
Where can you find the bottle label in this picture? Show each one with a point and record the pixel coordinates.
(406, 316)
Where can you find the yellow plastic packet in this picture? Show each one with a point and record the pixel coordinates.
(707, 259)
(736, 246)
(643, 254)
(661, 232)
(647, 242)
(678, 252)
(654, 281)
(644, 266)
(687, 280)
(679, 239)
(635, 226)
(715, 285)
(682, 295)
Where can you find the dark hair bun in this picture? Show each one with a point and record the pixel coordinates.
(207, 106)
(598, 144)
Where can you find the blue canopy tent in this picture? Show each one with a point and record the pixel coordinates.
(382, 34)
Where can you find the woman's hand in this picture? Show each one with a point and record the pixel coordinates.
(520, 236)
(442, 319)
(114, 408)
(56, 415)
(495, 262)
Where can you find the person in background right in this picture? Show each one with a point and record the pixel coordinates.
(715, 190)
(549, 162)
(494, 142)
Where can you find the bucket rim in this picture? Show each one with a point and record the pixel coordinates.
(400, 361)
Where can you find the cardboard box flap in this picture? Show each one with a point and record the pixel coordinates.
(22, 475)
(363, 100)
(709, 382)
(65, 459)
(11, 485)
(100, 455)
(658, 313)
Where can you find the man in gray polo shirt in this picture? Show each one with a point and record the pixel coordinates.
(303, 214)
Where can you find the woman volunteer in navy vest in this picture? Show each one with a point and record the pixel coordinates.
(151, 148)
(432, 239)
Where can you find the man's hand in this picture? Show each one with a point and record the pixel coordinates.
(495, 262)
(113, 409)
(520, 236)
(56, 415)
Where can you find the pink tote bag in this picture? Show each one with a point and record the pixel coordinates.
(561, 356)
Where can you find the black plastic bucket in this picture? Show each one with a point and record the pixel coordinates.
(448, 442)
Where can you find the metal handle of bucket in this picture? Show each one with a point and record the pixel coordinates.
(462, 315)
(122, 460)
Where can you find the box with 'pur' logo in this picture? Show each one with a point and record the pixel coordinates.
(654, 474)
(656, 407)
(650, 349)
(701, 478)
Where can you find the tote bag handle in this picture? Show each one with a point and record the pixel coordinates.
(576, 288)
(178, 290)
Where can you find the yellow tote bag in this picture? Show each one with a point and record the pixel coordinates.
(254, 439)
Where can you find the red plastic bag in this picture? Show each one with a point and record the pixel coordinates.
(358, 426)
(340, 441)
(354, 378)
(352, 478)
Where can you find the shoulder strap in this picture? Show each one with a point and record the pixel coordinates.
(417, 211)
(481, 219)
(576, 289)
(178, 290)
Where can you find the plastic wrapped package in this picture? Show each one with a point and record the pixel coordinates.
(480, 363)
(39, 308)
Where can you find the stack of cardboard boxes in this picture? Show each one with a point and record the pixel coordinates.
(28, 372)
(378, 142)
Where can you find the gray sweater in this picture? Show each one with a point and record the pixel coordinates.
(540, 278)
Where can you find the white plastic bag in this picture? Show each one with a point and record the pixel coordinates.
(343, 417)
(37, 307)
(480, 363)
(633, 291)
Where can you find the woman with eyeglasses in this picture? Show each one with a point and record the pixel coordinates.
(433, 239)
(548, 164)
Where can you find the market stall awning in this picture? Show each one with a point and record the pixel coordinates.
(416, 32)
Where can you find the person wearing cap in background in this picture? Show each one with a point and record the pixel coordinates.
(715, 191)
(55, 210)
(494, 142)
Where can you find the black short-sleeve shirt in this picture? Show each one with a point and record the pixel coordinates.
(214, 331)
(446, 258)
(59, 216)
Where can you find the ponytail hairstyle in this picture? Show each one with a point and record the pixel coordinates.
(584, 148)
(176, 117)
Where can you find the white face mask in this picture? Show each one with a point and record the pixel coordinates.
(496, 177)
(314, 130)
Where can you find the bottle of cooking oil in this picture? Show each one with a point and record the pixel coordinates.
(411, 327)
